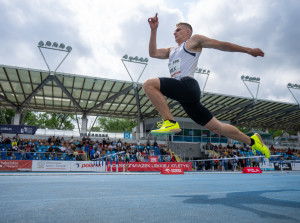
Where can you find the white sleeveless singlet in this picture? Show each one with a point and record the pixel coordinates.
(182, 62)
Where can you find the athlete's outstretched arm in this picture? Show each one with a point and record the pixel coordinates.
(153, 51)
(205, 42)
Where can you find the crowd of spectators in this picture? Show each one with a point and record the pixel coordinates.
(59, 148)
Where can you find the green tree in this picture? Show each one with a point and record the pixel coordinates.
(56, 121)
(42, 119)
(116, 124)
(8, 114)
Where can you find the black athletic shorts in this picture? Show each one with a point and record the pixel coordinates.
(187, 92)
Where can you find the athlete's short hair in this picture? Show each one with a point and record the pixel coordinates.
(186, 25)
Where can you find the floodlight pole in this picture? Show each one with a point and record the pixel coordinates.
(50, 72)
(289, 88)
(207, 73)
(145, 63)
(253, 80)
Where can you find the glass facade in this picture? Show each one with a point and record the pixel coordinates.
(198, 135)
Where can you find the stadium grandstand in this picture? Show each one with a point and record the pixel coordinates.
(24, 89)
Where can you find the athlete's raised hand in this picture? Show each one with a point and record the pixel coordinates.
(153, 22)
(256, 52)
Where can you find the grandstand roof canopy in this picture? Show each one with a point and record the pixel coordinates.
(37, 90)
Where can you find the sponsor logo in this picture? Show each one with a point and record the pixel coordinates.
(253, 171)
(90, 165)
(167, 170)
(176, 170)
(41, 165)
(1, 165)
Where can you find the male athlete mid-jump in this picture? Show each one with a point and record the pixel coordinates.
(182, 86)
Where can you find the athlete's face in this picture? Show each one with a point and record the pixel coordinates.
(181, 34)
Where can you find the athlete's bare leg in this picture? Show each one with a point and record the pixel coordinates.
(227, 130)
(152, 90)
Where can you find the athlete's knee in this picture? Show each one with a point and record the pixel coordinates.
(151, 84)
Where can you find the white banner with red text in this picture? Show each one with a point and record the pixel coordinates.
(149, 166)
(68, 166)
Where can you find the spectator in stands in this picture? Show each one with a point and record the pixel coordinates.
(1, 139)
(49, 140)
(127, 160)
(145, 153)
(173, 158)
(151, 153)
(92, 152)
(119, 143)
(155, 143)
(49, 151)
(138, 155)
(71, 140)
(81, 155)
(75, 153)
(57, 141)
(7, 141)
(97, 154)
(32, 148)
(63, 147)
(289, 152)
(148, 143)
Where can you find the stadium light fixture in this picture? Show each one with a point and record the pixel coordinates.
(248, 78)
(135, 59)
(62, 46)
(54, 46)
(48, 43)
(295, 87)
(41, 43)
(203, 71)
(69, 49)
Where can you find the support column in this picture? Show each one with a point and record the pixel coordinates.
(17, 118)
(84, 124)
(298, 133)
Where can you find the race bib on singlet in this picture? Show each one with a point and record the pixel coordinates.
(174, 68)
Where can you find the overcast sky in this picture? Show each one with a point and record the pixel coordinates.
(101, 32)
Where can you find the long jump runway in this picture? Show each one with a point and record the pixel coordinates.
(267, 197)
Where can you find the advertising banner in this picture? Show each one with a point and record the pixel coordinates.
(81, 166)
(15, 165)
(172, 171)
(266, 166)
(18, 129)
(296, 166)
(148, 166)
(153, 159)
(252, 170)
(42, 165)
(285, 166)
